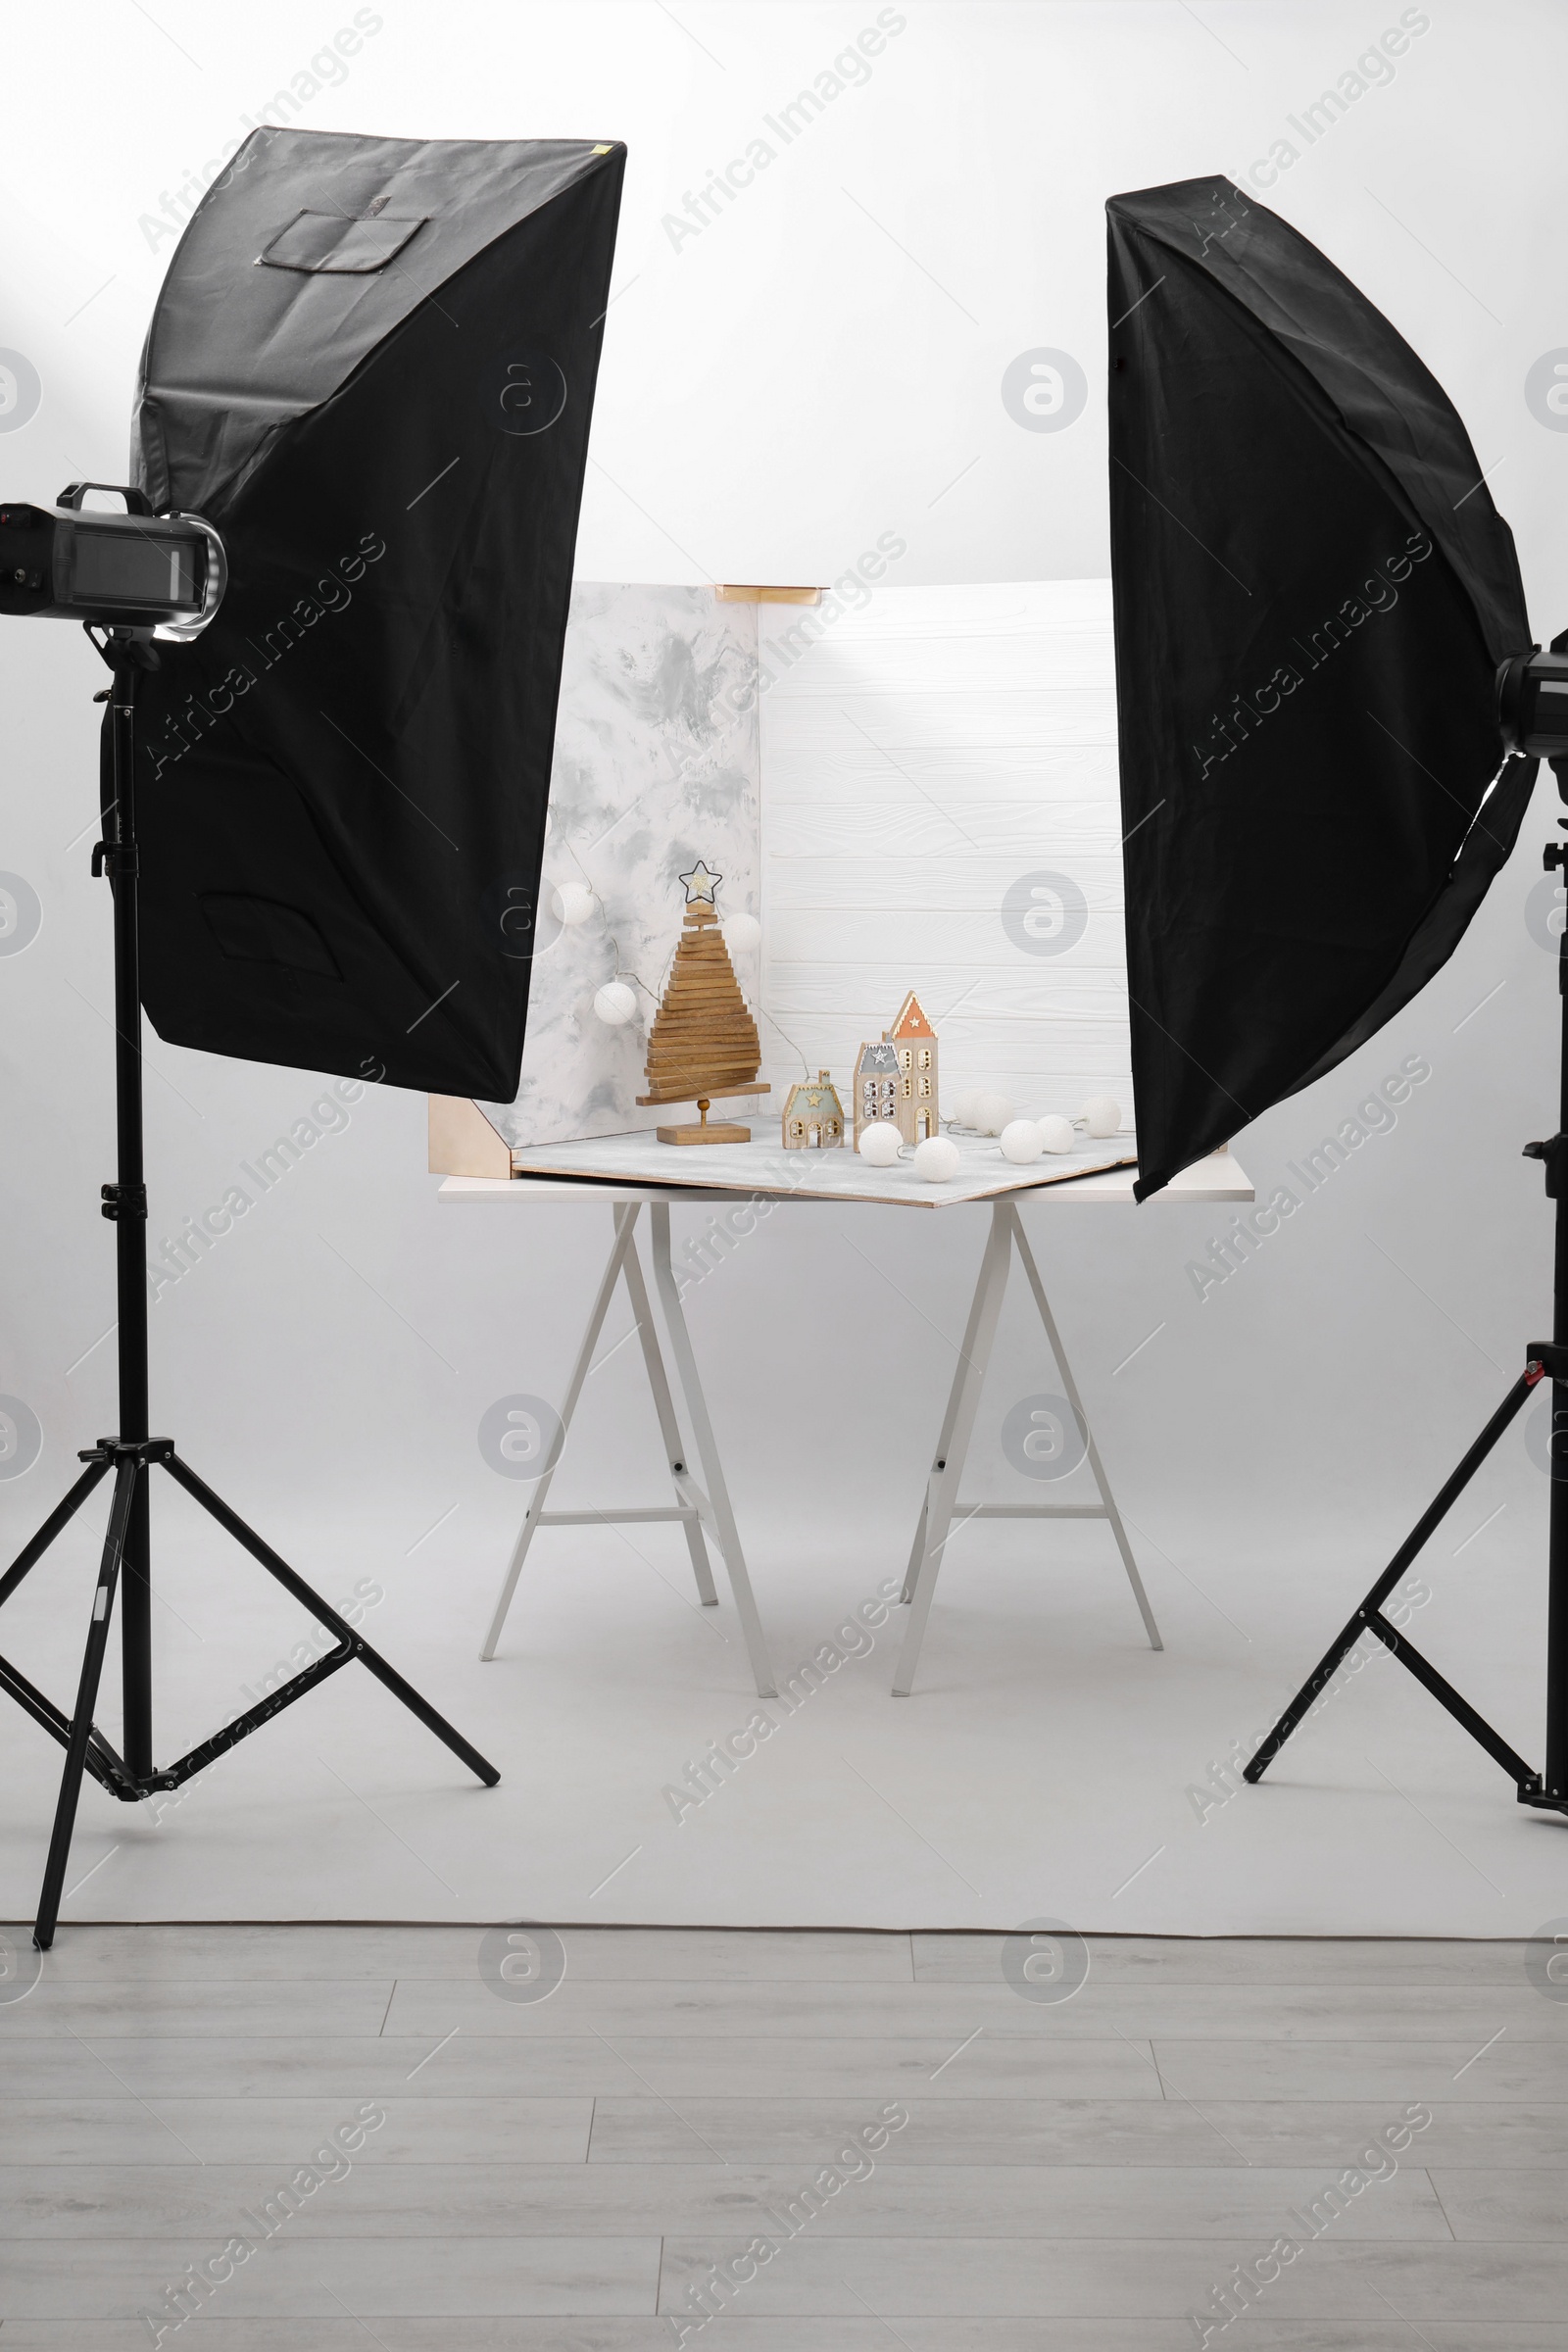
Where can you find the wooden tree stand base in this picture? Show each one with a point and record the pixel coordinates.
(723, 1131)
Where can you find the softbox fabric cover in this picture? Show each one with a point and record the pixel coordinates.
(1312, 593)
(372, 369)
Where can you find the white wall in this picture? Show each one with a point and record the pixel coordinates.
(820, 365)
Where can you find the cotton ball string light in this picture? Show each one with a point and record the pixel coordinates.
(1021, 1141)
(614, 1003)
(878, 1145)
(572, 902)
(992, 1112)
(963, 1109)
(1101, 1114)
(1055, 1133)
(742, 933)
(936, 1160)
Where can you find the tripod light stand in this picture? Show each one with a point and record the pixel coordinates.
(359, 440)
(134, 1453)
(1530, 726)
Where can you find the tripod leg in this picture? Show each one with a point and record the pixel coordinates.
(1349, 1634)
(478, 1765)
(128, 1476)
(292, 1582)
(63, 1512)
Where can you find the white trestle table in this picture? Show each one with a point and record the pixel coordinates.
(703, 1508)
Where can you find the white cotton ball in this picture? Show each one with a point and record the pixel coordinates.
(1021, 1141)
(572, 902)
(992, 1112)
(742, 933)
(879, 1143)
(614, 1003)
(1101, 1114)
(963, 1109)
(936, 1160)
(1056, 1134)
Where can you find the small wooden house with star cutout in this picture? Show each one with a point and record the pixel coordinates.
(813, 1116)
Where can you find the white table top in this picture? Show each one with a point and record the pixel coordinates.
(1217, 1178)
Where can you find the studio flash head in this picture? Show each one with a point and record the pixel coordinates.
(1533, 702)
(135, 570)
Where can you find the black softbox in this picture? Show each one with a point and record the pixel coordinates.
(372, 369)
(1313, 591)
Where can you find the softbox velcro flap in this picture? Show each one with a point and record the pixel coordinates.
(1313, 590)
(326, 241)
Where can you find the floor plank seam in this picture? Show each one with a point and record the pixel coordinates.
(1444, 2210)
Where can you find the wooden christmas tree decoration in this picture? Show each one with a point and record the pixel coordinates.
(703, 1041)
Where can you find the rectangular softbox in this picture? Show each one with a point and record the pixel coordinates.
(1313, 594)
(372, 369)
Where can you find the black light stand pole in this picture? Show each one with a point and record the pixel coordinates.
(1548, 1790)
(125, 1569)
(1555, 1777)
(125, 1200)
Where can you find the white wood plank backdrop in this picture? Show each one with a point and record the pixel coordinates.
(919, 757)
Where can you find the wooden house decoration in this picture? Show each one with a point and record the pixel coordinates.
(896, 1077)
(703, 1041)
(813, 1116)
(915, 1040)
(876, 1088)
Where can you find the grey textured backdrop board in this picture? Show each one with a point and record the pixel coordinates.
(656, 766)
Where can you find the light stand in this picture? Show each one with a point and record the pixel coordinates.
(1548, 1790)
(134, 1453)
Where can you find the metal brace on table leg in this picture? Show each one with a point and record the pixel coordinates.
(724, 1518)
(1096, 1466)
(686, 1492)
(625, 1221)
(943, 1490)
(939, 1460)
(691, 1506)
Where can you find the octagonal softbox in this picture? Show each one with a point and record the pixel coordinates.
(372, 369)
(1313, 591)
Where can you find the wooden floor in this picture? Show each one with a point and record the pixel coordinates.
(368, 2136)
